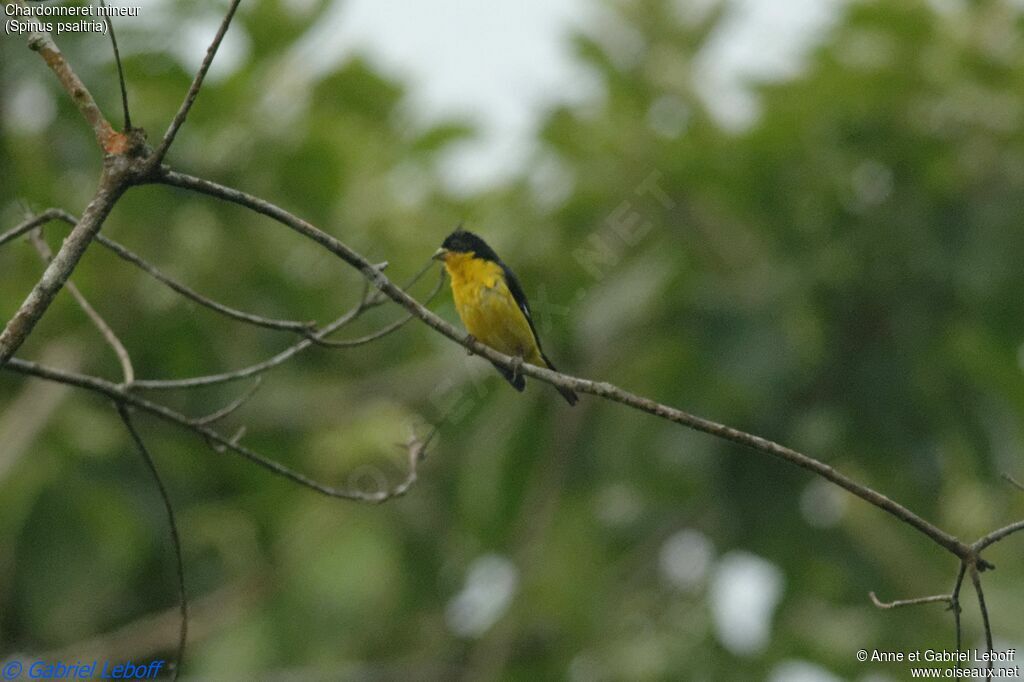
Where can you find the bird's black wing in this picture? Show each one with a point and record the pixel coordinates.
(520, 296)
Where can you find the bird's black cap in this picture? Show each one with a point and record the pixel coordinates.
(463, 241)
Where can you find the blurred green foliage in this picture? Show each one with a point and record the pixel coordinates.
(844, 276)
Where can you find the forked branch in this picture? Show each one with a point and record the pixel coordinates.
(109, 140)
(121, 396)
(127, 371)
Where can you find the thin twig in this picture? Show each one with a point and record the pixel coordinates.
(119, 395)
(416, 449)
(126, 254)
(996, 536)
(954, 605)
(383, 331)
(118, 172)
(600, 389)
(31, 223)
(274, 361)
(193, 91)
(909, 602)
(235, 438)
(362, 340)
(976, 581)
(113, 182)
(231, 407)
(110, 141)
(120, 71)
(191, 294)
(127, 371)
(1009, 479)
(175, 538)
(251, 370)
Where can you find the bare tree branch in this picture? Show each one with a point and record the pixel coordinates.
(383, 331)
(110, 141)
(952, 600)
(307, 329)
(954, 605)
(231, 407)
(260, 367)
(600, 389)
(113, 181)
(122, 411)
(996, 536)
(126, 254)
(119, 171)
(974, 567)
(120, 71)
(193, 91)
(944, 598)
(251, 370)
(127, 371)
(119, 395)
(235, 438)
(31, 223)
(976, 581)
(1007, 477)
(191, 294)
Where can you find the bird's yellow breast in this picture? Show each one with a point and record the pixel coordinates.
(487, 307)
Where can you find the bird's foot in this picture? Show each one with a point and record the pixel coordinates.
(470, 339)
(517, 365)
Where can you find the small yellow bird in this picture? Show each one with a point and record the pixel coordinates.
(492, 305)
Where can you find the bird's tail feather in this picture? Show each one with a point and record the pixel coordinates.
(569, 395)
(518, 381)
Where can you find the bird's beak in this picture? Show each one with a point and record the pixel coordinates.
(440, 254)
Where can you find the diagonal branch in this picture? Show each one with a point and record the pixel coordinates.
(119, 171)
(384, 331)
(600, 389)
(317, 338)
(122, 411)
(996, 536)
(126, 254)
(113, 181)
(127, 371)
(416, 450)
(31, 223)
(231, 407)
(110, 141)
(195, 296)
(119, 395)
(193, 91)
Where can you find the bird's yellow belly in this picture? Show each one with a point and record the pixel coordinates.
(491, 315)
